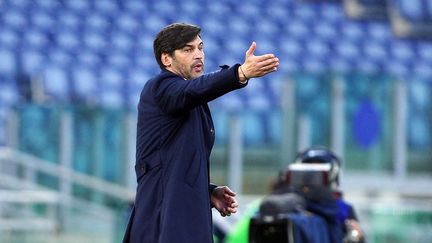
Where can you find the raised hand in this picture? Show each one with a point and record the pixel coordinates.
(257, 66)
(223, 199)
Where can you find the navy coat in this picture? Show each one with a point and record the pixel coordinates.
(175, 135)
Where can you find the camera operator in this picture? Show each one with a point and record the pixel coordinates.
(346, 216)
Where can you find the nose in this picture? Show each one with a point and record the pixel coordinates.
(199, 54)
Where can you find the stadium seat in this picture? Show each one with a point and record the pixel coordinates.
(32, 61)
(86, 84)
(423, 70)
(9, 92)
(8, 61)
(413, 10)
(424, 51)
(70, 21)
(98, 22)
(14, 18)
(56, 83)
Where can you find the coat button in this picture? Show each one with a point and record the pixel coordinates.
(211, 130)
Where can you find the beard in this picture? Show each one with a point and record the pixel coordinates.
(189, 71)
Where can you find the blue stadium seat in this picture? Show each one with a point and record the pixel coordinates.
(413, 10)
(42, 21)
(278, 12)
(297, 28)
(94, 41)
(33, 61)
(347, 49)
(396, 68)
(313, 65)
(48, 5)
(401, 50)
(86, 83)
(88, 58)
(332, 12)
(96, 22)
(127, 23)
(267, 28)
(325, 30)
(60, 56)
(78, 6)
(306, 12)
(8, 92)
(122, 42)
(423, 70)
(15, 18)
(35, 38)
(70, 21)
(368, 66)
(341, 64)
(191, 7)
(424, 51)
(112, 98)
(112, 78)
(56, 83)
(154, 22)
(353, 31)
(118, 60)
(317, 48)
(8, 63)
(106, 7)
(240, 26)
(9, 38)
(375, 51)
(380, 32)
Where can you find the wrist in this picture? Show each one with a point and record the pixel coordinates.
(242, 76)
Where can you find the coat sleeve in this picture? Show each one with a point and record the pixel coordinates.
(211, 188)
(173, 94)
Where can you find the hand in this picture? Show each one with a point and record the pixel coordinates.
(223, 199)
(257, 66)
(355, 233)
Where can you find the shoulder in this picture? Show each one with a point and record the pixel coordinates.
(164, 78)
(163, 75)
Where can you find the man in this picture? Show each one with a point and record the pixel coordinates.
(342, 224)
(175, 135)
(346, 217)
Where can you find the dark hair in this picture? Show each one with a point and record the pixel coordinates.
(173, 37)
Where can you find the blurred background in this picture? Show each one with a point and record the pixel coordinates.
(355, 76)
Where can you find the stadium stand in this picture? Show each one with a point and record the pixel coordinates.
(75, 49)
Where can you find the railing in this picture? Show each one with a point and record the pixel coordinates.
(32, 164)
(20, 194)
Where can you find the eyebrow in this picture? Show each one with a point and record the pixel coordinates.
(189, 45)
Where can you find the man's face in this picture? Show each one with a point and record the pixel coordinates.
(188, 61)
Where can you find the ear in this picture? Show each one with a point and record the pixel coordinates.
(166, 59)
